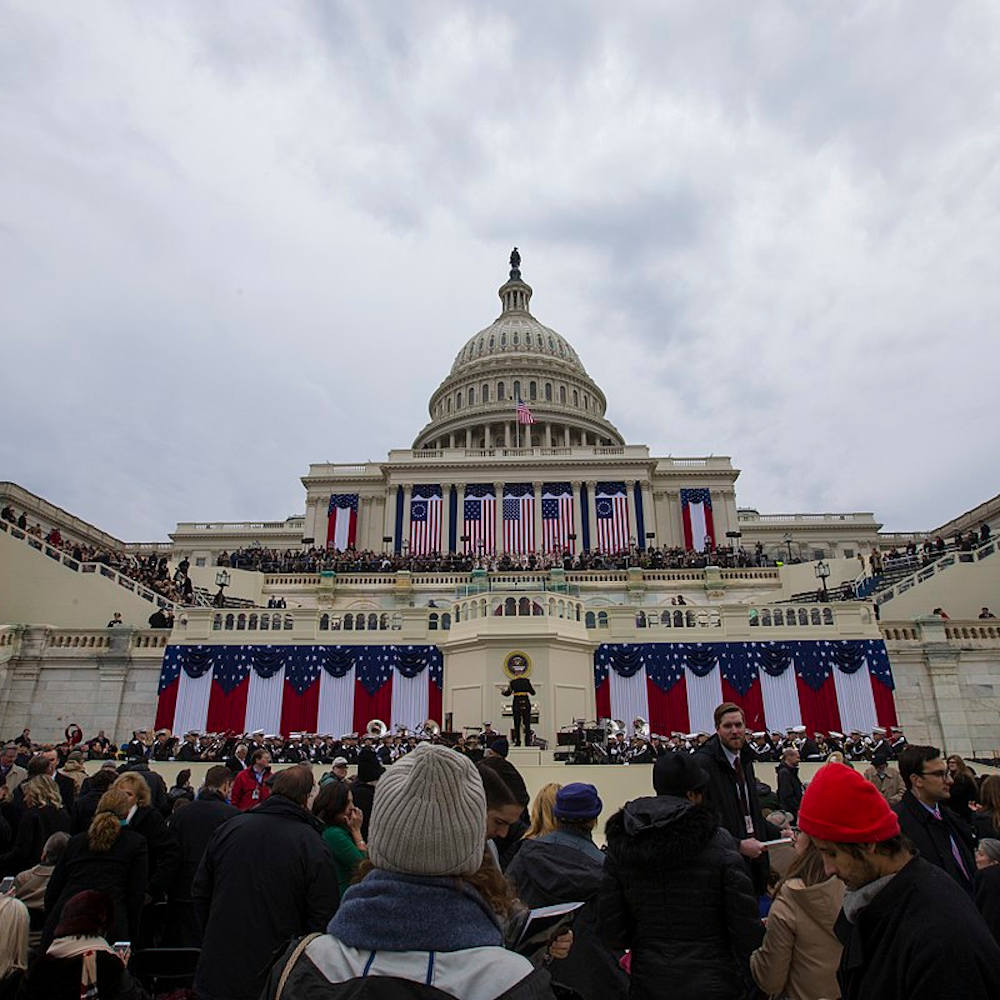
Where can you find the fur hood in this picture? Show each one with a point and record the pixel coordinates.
(662, 831)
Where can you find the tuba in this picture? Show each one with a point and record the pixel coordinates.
(430, 728)
(640, 727)
(376, 729)
(615, 726)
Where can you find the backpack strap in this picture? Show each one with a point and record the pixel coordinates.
(292, 959)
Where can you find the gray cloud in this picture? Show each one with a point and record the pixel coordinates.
(239, 238)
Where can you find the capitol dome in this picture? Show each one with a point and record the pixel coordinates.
(517, 358)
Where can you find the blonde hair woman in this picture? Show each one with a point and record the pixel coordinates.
(543, 818)
(111, 858)
(43, 816)
(13, 944)
(164, 850)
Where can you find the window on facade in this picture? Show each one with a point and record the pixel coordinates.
(527, 339)
(819, 553)
(447, 405)
(200, 561)
(458, 401)
(533, 390)
(472, 396)
(501, 393)
(562, 394)
(492, 342)
(517, 390)
(486, 392)
(848, 553)
(548, 392)
(576, 398)
(517, 339)
(503, 339)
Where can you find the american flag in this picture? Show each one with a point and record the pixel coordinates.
(480, 519)
(611, 504)
(425, 520)
(524, 415)
(518, 518)
(557, 517)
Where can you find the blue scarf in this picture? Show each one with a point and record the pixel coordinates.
(394, 912)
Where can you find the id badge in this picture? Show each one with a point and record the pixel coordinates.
(256, 795)
(749, 820)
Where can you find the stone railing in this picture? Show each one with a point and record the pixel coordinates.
(752, 517)
(123, 640)
(57, 555)
(951, 558)
(973, 633)
(537, 451)
(236, 527)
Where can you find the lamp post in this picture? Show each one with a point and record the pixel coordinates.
(788, 542)
(222, 579)
(822, 570)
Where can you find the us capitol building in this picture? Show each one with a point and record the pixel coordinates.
(540, 483)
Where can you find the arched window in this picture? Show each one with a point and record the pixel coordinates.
(562, 394)
(589, 620)
(814, 616)
(324, 622)
(383, 622)
(447, 405)
(492, 342)
(533, 390)
(241, 622)
(501, 392)
(803, 616)
(640, 619)
(359, 623)
(665, 618)
(348, 623)
(517, 389)
(517, 339)
(397, 621)
(288, 623)
(217, 623)
(265, 623)
(765, 617)
(252, 623)
(827, 616)
(510, 607)
(486, 392)
(229, 623)
(432, 622)
(779, 616)
(548, 392)
(472, 396)
(445, 621)
(524, 607)
(602, 619)
(458, 401)
(503, 339)
(576, 398)
(527, 338)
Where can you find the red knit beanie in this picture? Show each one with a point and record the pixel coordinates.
(841, 806)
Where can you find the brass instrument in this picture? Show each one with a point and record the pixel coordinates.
(640, 727)
(376, 729)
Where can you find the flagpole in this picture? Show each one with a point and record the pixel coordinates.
(517, 426)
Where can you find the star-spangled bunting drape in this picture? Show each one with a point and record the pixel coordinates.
(611, 511)
(830, 685)
(696, 515)
(426, 505)
(518, 518)
(557, 517)
(285, 689)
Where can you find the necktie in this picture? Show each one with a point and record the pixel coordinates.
(956, 854)
(741, 790)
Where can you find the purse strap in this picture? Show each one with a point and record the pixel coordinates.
(292, 959)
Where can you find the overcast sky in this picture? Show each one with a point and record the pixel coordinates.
(239, 238)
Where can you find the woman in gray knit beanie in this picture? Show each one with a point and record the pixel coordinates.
(428, 908)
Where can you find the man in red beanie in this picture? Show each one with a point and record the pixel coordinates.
(907, 929)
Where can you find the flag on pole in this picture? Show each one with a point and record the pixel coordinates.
(518, 518)
(699, 526)
(480, 518)
(611, 505)
(557, 517)
(342, 525)
(425, 519)
(524, 415)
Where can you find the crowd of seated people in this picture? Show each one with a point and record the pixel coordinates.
(315, 560)
(422, 867)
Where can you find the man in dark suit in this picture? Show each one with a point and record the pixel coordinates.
(193, 827)
(732, 790)
(940, 836)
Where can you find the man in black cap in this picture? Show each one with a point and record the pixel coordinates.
(676, 891)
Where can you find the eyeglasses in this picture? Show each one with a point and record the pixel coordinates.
(936, 774)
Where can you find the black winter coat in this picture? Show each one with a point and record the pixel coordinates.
(83, 811)
(789, 788)
(164, 851)
(157, 786)
(192, 828)
(920, 938)
(266, 877)
(546, 873)
(722, 796)
(48, 978)
(677, 893)
(931, 838)
(988, 898)
(120, 872)
(37, 824)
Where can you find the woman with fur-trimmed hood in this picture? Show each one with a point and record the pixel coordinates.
(676, 892)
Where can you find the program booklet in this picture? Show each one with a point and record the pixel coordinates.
(542, 925)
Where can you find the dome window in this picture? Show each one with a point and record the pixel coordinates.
(517, 391)
(576, 398)
(527, 339)
(448, 405)
(552, 344)
(562, 394)
(503, 339)
(517, 339)
(548, 392)
(532, 390)
(480, 345)
(458, 401)
(492, 342)
(486, 392)
(501, 392)
(472, 396)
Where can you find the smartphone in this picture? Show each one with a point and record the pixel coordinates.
(121, 948)
(7, 884)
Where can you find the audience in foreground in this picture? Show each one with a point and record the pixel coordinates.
(908, 929)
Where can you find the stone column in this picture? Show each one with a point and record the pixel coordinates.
(548, 435)
(566, 436)
(489, 436)
(649, 514)
(468, 437)
(577, 516)
(537, 486)
(506, 435)
(942, 668)
(633, 524)
(498, 489)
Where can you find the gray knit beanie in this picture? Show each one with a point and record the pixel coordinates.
(429, 815)
(990, 846)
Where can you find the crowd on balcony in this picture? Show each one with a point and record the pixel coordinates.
(316, 560)
(150, 569)
(915, 556)
(415, 873)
